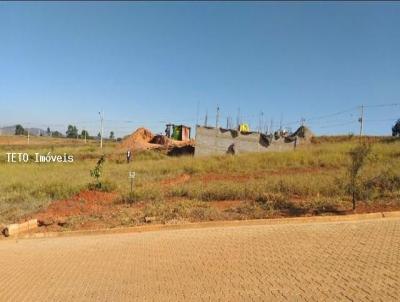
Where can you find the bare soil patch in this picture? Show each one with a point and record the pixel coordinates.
(176, 180)
(86, 202)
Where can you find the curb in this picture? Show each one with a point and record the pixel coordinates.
(16, 228)
(213, 224)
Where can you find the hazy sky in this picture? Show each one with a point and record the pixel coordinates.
(151, 63)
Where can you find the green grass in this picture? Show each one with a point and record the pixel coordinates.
(316, 174)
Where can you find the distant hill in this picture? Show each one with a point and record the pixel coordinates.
(10, 130)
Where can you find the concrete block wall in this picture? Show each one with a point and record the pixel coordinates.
(211, 141)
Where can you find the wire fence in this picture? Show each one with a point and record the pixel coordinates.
(342, 118)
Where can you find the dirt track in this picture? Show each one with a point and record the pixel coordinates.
(334, 261)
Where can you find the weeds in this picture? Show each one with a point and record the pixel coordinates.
(358, 157)
(315, 178)
(141, 194)
(184, 210)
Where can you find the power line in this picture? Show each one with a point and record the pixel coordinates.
(382, 105)
(383, 120)
(315, 118)
(321, 121)
(336, 125)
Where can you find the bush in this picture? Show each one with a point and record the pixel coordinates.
(358, 157)
(203, 213)
(249, 210)
(386, 182)
(104, 186)
(142, 194)
(278, 205)
(164, 212)
(184, 210)
(270, 197)
(319, 206)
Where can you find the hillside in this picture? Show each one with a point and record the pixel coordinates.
(10, 130)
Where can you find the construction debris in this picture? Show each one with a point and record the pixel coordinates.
(303, 132)
(149, 219)
(144, 139)
(16, 228)
(211, 140)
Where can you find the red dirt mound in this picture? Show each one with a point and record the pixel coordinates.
(144, 139)
(87, 202)
(139, 140)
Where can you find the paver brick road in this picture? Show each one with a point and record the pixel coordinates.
(338, 261)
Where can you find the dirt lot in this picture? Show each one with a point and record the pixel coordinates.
(330, 261)
(313, 180)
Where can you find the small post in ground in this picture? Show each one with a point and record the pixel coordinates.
(132, 177)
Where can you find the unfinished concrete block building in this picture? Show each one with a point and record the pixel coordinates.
(210, 140)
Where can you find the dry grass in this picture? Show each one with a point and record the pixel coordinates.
(307, 180)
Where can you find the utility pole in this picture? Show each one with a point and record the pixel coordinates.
(28, 137)
(238, 118)
(85, 136)
(206, 118)
(101, 129)
(361, 120)
(197, 113)
(260, 122)
(229, 122)
(217, 118)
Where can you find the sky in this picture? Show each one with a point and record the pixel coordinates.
(149, 63)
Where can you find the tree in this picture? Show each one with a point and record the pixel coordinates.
(358, 157)
(396, 128)
(72, 132)
(96, 172)
(48, 132)
(112, 135)
(19, 130)
(99, 135)
(56, 134)
(84, 134)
